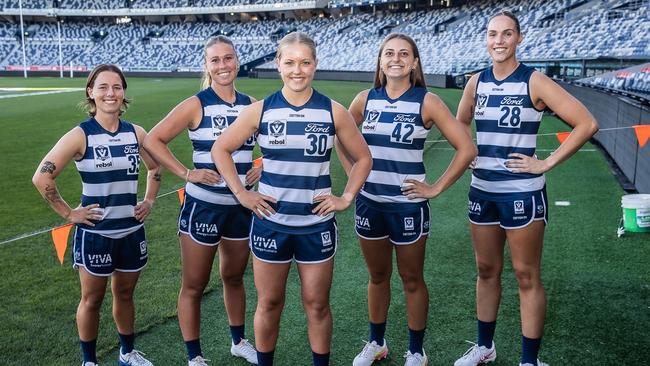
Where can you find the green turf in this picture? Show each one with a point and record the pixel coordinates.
(598, 286)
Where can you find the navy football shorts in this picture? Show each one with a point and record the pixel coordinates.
(101, 255)
(402, 223)
(313, 244)
(509, 213)
(206, 223)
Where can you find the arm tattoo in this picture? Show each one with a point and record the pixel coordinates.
(157, 177)
(48, 167)
(51, 194)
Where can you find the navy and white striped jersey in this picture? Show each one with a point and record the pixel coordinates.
(296, 144)
(217, 116)
(109, 174)
(395, 133)
(506, 122)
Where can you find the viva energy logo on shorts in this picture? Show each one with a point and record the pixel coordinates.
(219, 124)
(102, 156)
(474, 207)
(100, 260)
(264, 244)
(202, 228)
(278, 132)
(370, 123)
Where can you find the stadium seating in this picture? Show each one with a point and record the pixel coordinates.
(451, 40)
(633, 79)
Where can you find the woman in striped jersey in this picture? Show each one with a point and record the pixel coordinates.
(109, 239)
(211, 219)
(295, 207)
(507, 197)
(392, 209)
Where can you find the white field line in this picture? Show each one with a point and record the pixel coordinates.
(43, 92)
(29, 235)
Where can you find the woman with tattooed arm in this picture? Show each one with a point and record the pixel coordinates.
(109, 239)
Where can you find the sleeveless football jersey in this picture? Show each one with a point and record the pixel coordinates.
(296, 144)
(506, 122)
(109, 174)
(395, 133)
(217, 116)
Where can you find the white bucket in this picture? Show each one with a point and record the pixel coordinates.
(636, 212)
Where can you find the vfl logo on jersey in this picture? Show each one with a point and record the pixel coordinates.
(219, 124)
(370, 123)
(278, 132)
(102, 155)
(408, 223)
(474, 207)
(481, 103)
(326, 237)
(519, 207)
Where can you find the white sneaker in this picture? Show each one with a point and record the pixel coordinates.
(198, 361)
(416, 359)
(371, 352)
(244, 350)
(134, 358)
(89, 364)
(539, 363)
(477, 355)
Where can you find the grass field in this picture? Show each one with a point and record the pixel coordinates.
(598, 286)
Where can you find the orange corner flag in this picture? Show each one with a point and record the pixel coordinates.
(60, 239)
(561, 136)
(257, 162)
(642, 134)
(181, 195)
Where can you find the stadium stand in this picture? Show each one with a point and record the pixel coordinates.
(632, 79)
(451, 39)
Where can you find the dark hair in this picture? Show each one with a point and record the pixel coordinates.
(417, 75)
(510, 15)
(206, 79)
(89, 103)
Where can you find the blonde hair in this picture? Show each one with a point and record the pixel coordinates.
(417, 75)
(296, 37)
(206, 79)
(89, 103)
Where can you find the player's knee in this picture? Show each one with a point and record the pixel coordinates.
(91, 302)
(488, 271)
(411, 281)
(380, 277)
(123, 294)
(232, 279)
(527, 278)
(316, 308)
(269, 304)
(193, 289)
